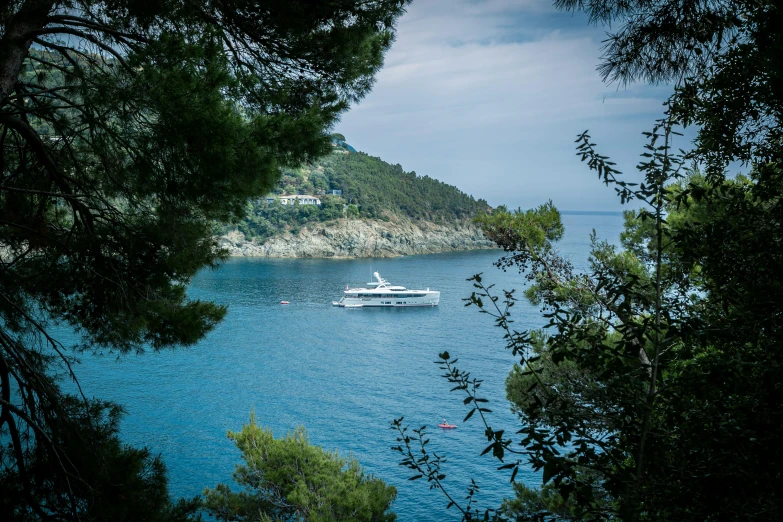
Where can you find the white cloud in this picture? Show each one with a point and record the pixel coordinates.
(489, 95)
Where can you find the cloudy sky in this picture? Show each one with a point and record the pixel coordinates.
(489, 95)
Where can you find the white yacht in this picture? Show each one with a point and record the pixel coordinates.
(381, 293)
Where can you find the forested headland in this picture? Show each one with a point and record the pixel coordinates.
(355, 185)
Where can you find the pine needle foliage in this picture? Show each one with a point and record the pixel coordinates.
(127, 129)
(291, 479)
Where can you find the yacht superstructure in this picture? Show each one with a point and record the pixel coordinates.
(381, 293)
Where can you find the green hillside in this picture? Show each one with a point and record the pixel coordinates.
(370, 188)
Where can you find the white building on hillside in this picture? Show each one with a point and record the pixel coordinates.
(304, 199)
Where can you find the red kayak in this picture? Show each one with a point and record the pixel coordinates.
(447, 426)
(284, 302)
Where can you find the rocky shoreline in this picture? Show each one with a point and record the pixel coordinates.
(351, 238)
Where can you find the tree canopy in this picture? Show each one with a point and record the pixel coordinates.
(127, 129)
(290, 479)
(369, 187)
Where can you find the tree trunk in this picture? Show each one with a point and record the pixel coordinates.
(17, 37)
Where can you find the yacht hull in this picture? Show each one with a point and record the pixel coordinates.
(427, 300)
(371, 305)
(384, 295)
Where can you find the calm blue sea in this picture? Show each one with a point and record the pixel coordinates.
(343, 374)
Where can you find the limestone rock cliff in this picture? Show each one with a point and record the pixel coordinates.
(347, 238)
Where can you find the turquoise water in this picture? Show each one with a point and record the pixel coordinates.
(342, 373)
